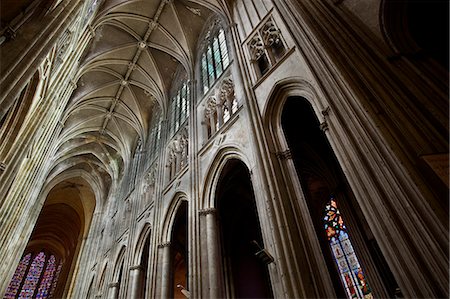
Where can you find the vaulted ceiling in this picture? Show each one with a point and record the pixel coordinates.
(125, 75)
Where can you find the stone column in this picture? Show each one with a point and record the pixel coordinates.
(205, 130)
(213, 253)
(212, 123)
(136, 279)
(230, 105)
(219, 109)
(113, 292)
(165, 270)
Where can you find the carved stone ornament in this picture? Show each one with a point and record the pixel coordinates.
(271, 34)
(256, 47)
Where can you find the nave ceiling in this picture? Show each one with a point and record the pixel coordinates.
(124, 76)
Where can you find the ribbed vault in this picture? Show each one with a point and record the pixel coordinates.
(125, 75)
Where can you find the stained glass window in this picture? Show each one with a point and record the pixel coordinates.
(18, 277)
(215, 58)
(180, 106)
(32, 281)
(33, 275)
(350, 271)
(55, 280)
(47, 278)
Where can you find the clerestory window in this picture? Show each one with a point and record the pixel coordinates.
(179, 108)
(214, 59)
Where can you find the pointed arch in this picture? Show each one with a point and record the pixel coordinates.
(140, 243)
(223, 155)
(171, 213)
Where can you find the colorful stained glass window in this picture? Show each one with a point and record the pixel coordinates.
(32, 281)
(33, 276)
(350, 271)
(55, 280)
(18, 277)
(47, 278)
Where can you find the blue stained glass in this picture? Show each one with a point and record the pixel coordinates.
(55, 280)
(47, 278)
(350, 271)
(18, 277)
(33, 276)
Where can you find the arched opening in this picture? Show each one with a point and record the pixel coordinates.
(115, 287)
(325, 187)
(48, 262)
(246, 273)
(179, 251)
(12, 121)
(419, 29)
(144, 264)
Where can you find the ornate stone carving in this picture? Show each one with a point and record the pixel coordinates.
(256, 47)
(150, 178)
(177, 152)
(271, 34)
(207, 211)
(162, 245)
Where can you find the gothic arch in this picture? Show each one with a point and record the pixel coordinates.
(140, 243)
(223, 155)
(171, 214)
(324, 176)
(399, 25)
(102, 277)
(118, 261)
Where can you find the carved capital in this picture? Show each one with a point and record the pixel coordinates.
(326, 111)
(284, 155)
(207, 211)
(113, 285)
(324, 126)
(136, 267)
(162, 245)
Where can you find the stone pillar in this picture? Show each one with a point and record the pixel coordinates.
(212, 123)
(136, 288)
(205, 130)
(113, 292)
(219, 109)
(165, 270)
(213, 253)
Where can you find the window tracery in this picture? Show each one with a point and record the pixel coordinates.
(179, 106)
(214, 58)
(266, 47)
(352, 275)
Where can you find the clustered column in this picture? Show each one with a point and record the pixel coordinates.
(213, 253)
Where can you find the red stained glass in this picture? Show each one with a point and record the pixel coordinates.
(31, 281)
(55, 281)
(350, 270)
(33, 276)
(17, 278)
(47, 278)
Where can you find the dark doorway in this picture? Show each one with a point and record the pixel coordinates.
(179, 252)
(246, 275)
(321, 177)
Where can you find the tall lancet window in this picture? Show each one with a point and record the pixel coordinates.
(352, 275)
(40, 279)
